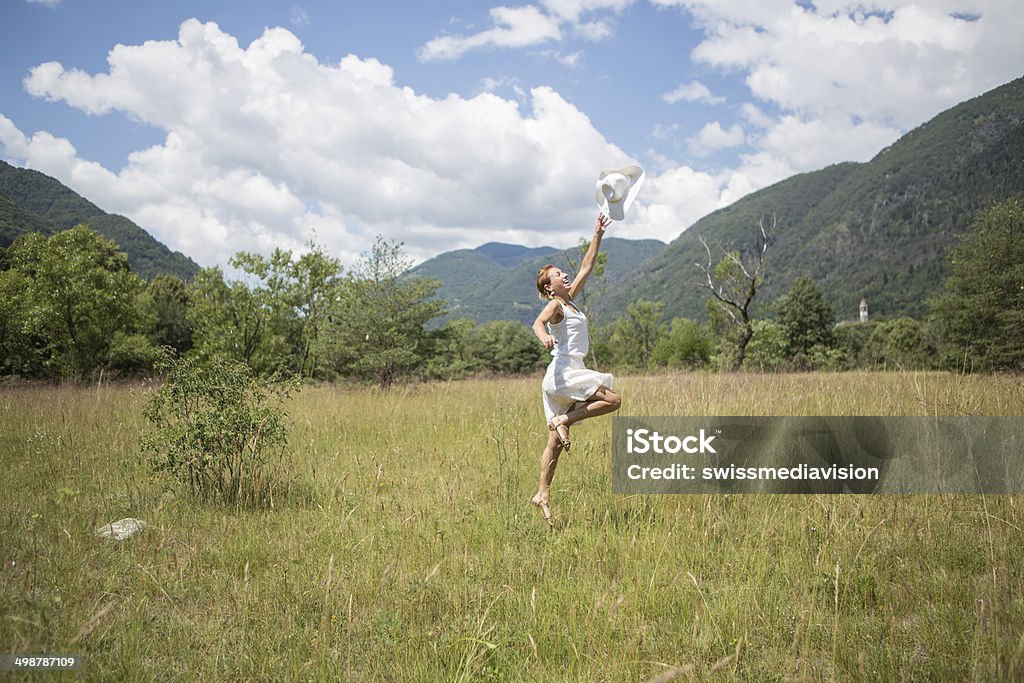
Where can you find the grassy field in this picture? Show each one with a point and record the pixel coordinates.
(403, 547)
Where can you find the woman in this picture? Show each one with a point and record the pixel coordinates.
(571, 391)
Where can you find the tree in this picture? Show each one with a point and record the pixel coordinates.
(632, 338)
(767, 350)
(227, 318)
(908, 345)
(900, 343)
(733, 285)
(506, 347)
(685, 346)
(981, 313)
(16, 347)
(270, 301)
(166, 300)
(806, 319)
(315, 278)
(377, 327)
(851, 340)
(74, 291)
(453, 355)
(132, 354)
(273, 317)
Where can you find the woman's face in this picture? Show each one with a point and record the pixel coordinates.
(558, 281)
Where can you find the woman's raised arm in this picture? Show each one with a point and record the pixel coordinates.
(600, 223)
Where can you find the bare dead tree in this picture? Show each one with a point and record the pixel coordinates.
(733, 283)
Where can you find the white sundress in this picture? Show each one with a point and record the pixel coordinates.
(567, 379)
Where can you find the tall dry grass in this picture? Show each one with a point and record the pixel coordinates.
(401, 547)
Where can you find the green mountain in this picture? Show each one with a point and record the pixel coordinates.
(32, 201)
(511, 255)
(14, 219)
(497, 281)
(878, 230)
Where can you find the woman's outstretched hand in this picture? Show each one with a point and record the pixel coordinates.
(601, 223)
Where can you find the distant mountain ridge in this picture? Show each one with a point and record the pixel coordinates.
(33, 201)
(510, 255)
(878, 230)
(497, 281)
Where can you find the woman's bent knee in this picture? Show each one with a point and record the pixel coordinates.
(614, 400)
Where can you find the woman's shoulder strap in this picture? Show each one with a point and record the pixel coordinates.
(570, 304)
(558, 308)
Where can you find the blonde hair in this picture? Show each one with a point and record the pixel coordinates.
(542, 279)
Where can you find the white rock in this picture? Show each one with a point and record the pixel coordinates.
(121, 529)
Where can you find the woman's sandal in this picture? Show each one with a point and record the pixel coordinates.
(544, 506)
(559, 429)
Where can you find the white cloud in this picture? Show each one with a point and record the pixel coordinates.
(571, 60)
(840, 79)
(264, 144)
(755, 116)
(816, 143)
(594, 31)
(489, 84)
(528, 25)
(712, 138)
(571, 10)
(674, 199)
(47, 3)
(299, 16)
(662, 132)
(903, 60)
(12, 139)
(513, 27)
(756, 170)
(694, 91)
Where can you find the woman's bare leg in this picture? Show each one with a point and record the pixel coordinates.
(548, 463)
(602, 402)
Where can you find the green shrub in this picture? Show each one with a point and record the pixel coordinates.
(900, 343)
(686, 345)
(767, 348)
(215, 426)
(132, 354)
(507, 347)
(852, 341)
(828, 358)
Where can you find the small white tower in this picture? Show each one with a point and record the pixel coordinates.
(863, 310)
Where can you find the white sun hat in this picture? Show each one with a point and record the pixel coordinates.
(617, 188)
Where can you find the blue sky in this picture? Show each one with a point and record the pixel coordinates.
(228, 126)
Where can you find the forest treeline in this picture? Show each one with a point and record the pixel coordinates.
(72, 309)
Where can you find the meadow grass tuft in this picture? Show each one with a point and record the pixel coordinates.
(400, 546)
